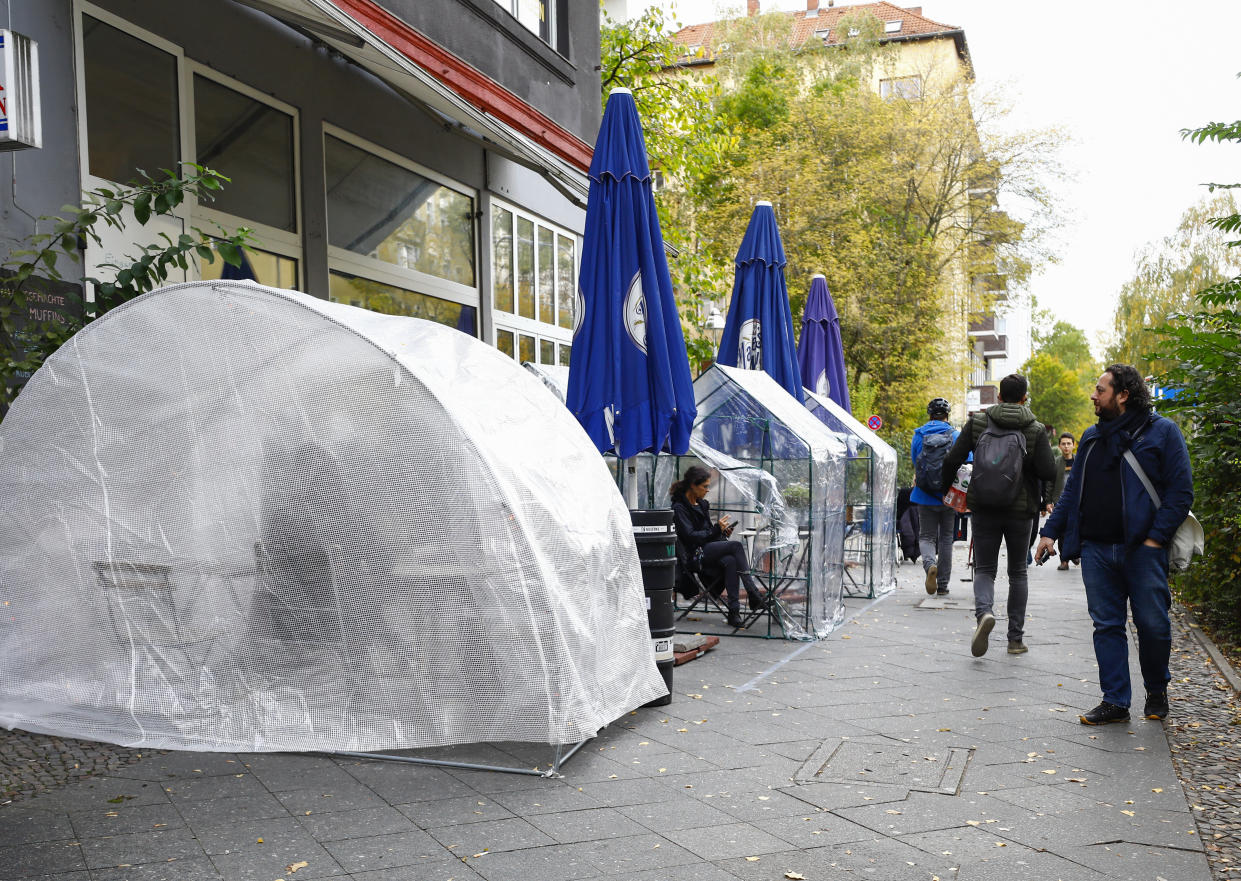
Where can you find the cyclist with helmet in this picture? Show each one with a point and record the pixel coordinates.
(936, 521)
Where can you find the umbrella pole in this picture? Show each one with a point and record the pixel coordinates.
(629, 482)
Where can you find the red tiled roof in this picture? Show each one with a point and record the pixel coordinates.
(913, 24)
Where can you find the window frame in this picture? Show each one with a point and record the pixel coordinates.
(551, 7)
(190, 212)
(267, 238)
(514, 322)
(184, 133)
(893, 86)
(388, 273)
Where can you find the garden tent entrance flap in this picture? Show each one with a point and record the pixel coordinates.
(238, 518)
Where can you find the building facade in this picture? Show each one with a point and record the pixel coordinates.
(417, 157)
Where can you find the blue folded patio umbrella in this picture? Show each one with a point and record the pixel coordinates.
(758, 333)
(629, 379)
(820, 351)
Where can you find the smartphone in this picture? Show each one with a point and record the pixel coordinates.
(1044, 555)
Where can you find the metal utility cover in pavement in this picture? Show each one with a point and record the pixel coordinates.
(919, 769)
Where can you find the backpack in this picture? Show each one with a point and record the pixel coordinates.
(999, 457)
(929, 466)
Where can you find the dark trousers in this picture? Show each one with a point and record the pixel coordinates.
(728, 559)
(1137, 578)
(937, 529)
(989, 531)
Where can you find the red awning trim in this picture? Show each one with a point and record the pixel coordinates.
(471, 84)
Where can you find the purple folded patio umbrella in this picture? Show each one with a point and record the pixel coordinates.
(820, 351)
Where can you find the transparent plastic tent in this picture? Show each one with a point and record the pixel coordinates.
(746, 415)
(238, 518)
(750, 494)
(870, 501)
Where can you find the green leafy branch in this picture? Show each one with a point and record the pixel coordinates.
(47, 253)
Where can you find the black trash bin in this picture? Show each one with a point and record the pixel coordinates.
(657, 552)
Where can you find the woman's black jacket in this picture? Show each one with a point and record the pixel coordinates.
(694, 525)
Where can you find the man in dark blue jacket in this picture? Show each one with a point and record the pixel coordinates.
(1106, 518)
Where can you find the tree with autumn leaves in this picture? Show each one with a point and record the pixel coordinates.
(897, 201)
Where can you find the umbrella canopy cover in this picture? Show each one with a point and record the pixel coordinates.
(758, 334)
(629, 379)
(820, 351)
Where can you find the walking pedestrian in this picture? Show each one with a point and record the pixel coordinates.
(1012, 458)
(936, 521)
(1064, 464)
(1121, 536)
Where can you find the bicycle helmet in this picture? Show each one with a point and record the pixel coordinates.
(938, 407)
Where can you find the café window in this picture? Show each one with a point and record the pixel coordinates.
(400, 238)
(533, 348)
(251, 143)
(534, 268)
(250, 139)
(265, 267)
(132, 104)
(149, 108)
(393, 300)
(390, 213)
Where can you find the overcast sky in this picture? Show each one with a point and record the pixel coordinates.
(1122, 79)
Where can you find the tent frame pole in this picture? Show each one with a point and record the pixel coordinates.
(558, 762)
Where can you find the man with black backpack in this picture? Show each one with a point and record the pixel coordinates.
(936, 521)
(1012, 458)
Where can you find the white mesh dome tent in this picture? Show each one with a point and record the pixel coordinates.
(238, 518)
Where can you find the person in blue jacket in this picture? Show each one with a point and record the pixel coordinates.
(936, 521)
(1106, 518)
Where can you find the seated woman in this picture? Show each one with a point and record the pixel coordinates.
(720, 555)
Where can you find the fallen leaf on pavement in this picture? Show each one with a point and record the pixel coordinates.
(293, 867)
(796, 876)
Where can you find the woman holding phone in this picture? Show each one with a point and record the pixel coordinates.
(720, 554)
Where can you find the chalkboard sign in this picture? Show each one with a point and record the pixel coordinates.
(48, 304)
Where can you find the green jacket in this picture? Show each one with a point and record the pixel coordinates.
(1039, 467)
(1062, 474)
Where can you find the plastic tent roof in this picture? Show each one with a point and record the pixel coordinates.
(746, 482)
(238, 518)
(738, 407)
(879, 530)
(841, 420)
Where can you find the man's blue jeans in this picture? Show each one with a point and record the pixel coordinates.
(1117, 578)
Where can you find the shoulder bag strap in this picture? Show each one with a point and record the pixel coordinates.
(1137, 469)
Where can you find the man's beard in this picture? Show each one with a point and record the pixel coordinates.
(1107, 414)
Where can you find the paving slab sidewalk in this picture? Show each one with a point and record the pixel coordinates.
(885, 751)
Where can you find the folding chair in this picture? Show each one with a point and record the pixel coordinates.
(142, 607)
(140, 603)
(691, 584)
(704, 592)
